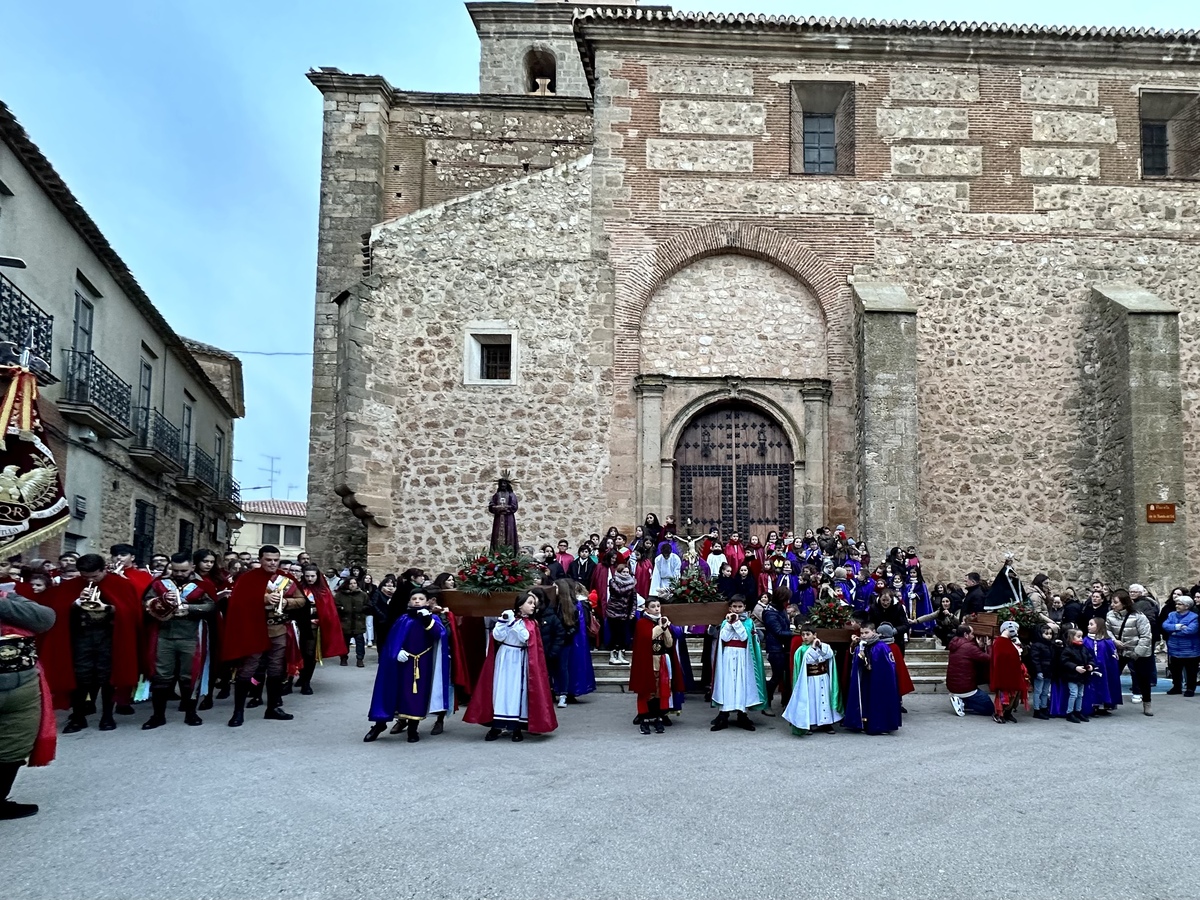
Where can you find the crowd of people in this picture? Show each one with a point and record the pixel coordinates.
(93, 635)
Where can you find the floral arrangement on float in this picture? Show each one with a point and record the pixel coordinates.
(1025, 617)
(692, 587)
(496, 571)
(830, 615)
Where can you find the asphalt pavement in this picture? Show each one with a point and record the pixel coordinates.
(947, 807)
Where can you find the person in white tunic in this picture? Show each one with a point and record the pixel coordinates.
(510, 696)
(738, 682)
(666, 567)
(815, 702)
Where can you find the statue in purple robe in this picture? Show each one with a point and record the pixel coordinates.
(503, 507)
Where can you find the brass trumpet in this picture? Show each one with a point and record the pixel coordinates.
(91, 602)
(276, 584)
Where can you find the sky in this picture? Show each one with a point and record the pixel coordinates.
(189, 132)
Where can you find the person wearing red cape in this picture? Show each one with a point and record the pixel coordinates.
(513, 690)
(26, 713)
(214, 584)
(1009, 681)
(91, 653)
(655, 674)
(320, 617)
(257, 630)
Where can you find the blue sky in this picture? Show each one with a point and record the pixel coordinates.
(189, 132)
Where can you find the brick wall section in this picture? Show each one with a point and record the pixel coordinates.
(441, 150)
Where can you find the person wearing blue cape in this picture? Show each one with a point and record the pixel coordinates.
(576, 676)
(915, 594)
(844, 586)
(413, 663)
(1103, 692)
(873, 697)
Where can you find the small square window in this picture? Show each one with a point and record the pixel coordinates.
(822, 128)
(291, 536)
(490, 356)
(270, 534)
(1170, 132)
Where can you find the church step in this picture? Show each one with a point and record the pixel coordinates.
(924, 684)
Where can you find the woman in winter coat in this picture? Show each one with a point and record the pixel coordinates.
(1133, 635)
(622, 604)
(352, 611)
(1182, 629)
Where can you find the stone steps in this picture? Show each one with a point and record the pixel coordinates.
(926, 665)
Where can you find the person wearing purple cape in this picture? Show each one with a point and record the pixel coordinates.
(503, 507)
(844, 586)
(873, 697)
(415, 660)
(581, 676)
(1103, 692)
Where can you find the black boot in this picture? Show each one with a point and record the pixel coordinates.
(159, 697)
(205, 702)
(743, 721)
(222, 692)
(493, 734)
(106, 708)
(721, 722)
(241, 688)
(439, 723)
(77, 721)
(254, 697)
(9, 809)
(189, 712)
(275, 700)
(517, 735)
(377, 728)
(413, 737)
(287, 687)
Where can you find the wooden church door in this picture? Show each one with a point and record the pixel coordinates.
(733, 469)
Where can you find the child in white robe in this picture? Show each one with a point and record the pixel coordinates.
(815, 701)
(738, 682)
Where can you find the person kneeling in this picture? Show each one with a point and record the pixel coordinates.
(739, 684)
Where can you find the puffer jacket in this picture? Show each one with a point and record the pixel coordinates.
(1041, 658)
(1133, 632)
(967, 666)
(352, 610)
(1183, 634)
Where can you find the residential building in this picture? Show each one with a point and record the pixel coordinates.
(139, 418)
(281, 523)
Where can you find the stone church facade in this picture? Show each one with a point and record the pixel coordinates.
(935, 282)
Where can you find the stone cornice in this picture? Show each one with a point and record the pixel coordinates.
(494, 101)
(886, 45)
(330, 80)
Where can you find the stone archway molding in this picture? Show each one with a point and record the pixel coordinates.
(644, 277)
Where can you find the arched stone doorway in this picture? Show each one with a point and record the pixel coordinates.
(734, 469)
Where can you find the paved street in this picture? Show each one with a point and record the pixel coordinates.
(947, 808)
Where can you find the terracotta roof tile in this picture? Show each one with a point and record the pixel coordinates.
(669, 17)
(294, 508)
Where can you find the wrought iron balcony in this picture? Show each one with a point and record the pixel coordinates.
(19, 315)
(94, 395)
(199, 474)
(155, 444)
(229, 495)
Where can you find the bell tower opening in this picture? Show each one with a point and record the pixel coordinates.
(541, 70)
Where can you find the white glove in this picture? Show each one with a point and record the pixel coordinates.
(424, 612)
(403, 656)
(507, 616)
